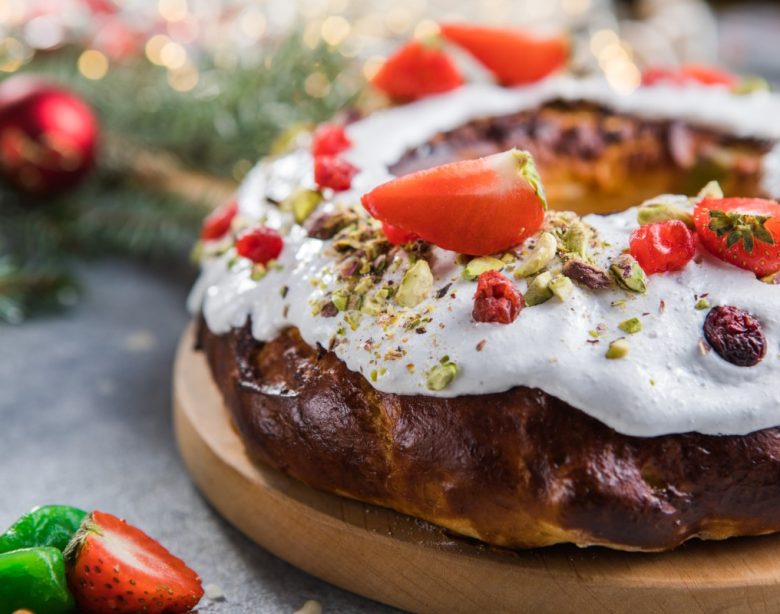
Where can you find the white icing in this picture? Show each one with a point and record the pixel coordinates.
(665, 385)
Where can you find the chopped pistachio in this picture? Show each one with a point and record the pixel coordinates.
(772, 278)
(577, 239)
(617, 349)
(702, 304)
(289, 137)
(374, 304)
(539, 290)
(301, 203)
(440, 376)
(711, 190)
(653, 212)
(416, 285)
(340, 299)
(631, 326)
(364, 285)
(508, 258)
(196, 255)
(258, 272)
(540, 256)
(353, 319)
(628, 274)
(750, 85)
(480, 265)
(283, 291)
(373, 375)
(586, 274)
(561, 287)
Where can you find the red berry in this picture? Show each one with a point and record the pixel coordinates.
(333, 172)
(735, 335)
(217, 224)
(398, 236)
(662, 247)
(329, 140)
(496, 299)
(260, 244)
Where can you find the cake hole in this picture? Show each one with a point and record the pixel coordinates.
(593, 160)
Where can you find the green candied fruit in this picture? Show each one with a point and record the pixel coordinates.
(48, 525)
(34, 579)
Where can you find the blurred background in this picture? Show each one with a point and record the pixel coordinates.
(188, 94)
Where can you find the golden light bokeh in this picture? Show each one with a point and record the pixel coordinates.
(93, 64)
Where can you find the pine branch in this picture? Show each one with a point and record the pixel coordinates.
(141, 204)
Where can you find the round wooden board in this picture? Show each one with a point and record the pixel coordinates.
(413, 565)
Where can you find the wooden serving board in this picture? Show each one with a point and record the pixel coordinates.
(413, 565)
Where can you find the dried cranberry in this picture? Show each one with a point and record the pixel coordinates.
(496, 299)
(396, 235)
(329, 140)
(218, 222)
(735, 335)
(663, 246)
(333, 172)
(260, 244)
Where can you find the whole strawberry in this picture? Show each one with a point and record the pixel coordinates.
(742, 231)
(114, 567)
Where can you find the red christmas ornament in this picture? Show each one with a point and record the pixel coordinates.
(48, 135)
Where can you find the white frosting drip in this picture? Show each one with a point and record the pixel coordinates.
(665, 385)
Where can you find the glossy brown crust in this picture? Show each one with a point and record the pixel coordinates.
(517, 469)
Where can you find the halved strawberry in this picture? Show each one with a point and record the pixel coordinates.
(515, 57)
(742, 231)
(474, 207)
(217, 223)
(416, 70)
(689, 73)
(114, 567)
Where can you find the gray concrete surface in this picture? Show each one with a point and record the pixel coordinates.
(85, 420)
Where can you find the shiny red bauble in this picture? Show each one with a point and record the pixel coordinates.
(48, 135)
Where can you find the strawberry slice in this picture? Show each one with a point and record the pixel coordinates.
(689, 73)
(742, 231)
(513, 56)
(417, 70)
(114, 567)
(474, 207)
